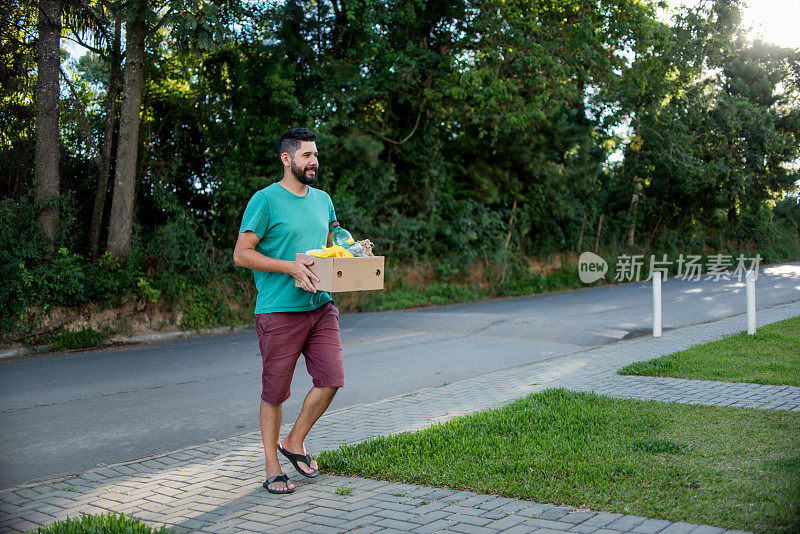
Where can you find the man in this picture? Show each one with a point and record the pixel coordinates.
(280, 220)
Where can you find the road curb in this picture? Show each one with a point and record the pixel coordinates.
(164, 336)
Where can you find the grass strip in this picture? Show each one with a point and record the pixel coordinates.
(728, 467)
(108, 523)
(769, 357)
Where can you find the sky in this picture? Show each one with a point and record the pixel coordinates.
(775, 21)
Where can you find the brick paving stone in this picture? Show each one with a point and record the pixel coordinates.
(521, 529)
(515, 507)
(602, 519)
(626, 523)
(404, 526)
(576, 517)
(454, 497)
(430, 517)
(399, 516)
(476, 501)
(494, 514)
(396, 506)
(651, 526)
(556, 514)
(355, 514)
(366, 529)
(535, 509)
(435, 526)
(472, 520)
(544, 523)
(679, 528)
(333, 522)
(583, 529)
(706, 529)
(493, 503)
(458, 509)
(508, 522)
(468, 528)
(319, 529)
(430, 507)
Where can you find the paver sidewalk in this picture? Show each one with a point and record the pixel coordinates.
(216, 487)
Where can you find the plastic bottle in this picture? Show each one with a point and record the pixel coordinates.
(343, 238)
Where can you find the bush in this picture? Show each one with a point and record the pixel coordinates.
(109, 523)
(207, 306)
(85, 338)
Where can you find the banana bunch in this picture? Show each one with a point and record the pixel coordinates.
(336, 251)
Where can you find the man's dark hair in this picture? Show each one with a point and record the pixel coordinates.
(290, 141)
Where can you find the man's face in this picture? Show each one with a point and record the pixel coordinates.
(304, 163)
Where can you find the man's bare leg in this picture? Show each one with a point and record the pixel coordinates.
(270, 419)
(314, 405)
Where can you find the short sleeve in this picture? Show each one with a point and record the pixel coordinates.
(331, 214)
(256, 215)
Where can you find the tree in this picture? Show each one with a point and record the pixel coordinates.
(103, 156)
(203, 24)
(47, 128)
(122, 204)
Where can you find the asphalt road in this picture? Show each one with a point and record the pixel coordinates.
(67, 412)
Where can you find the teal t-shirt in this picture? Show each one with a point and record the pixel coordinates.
(287, 224)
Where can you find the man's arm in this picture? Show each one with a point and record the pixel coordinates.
(245, 255)
(330, 240)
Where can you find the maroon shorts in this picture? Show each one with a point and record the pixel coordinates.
(283, 336)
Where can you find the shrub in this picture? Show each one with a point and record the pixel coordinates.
(85, 338)
(207, 306)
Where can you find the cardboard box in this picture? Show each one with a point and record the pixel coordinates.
(346, 274)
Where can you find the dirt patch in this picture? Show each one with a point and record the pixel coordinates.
(129, 319)
(551, 264)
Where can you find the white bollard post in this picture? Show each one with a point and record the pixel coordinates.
(750, 284)
(657, 304)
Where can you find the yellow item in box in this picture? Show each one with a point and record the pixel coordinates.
(335, 251)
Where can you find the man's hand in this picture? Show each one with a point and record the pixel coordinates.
(300, 271)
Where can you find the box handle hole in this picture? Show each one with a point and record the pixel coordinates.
(339, 274)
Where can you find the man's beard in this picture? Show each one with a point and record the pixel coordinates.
(300, 174)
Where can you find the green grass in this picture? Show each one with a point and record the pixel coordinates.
(733, 468)
(772, 356)
(109, 523)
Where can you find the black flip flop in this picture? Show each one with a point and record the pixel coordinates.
(279, 478)
(295, 458)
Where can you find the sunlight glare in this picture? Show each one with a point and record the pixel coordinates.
(774, 21)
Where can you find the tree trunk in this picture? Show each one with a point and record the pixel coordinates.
(632, 230)
(103, 158)
(47, 129)
(121, 222)
(599, 228)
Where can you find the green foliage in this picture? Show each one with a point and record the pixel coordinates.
(450, 133)
(206, 306)
(30, 278)
(147, 291)
(85, 338)
(109, 523)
